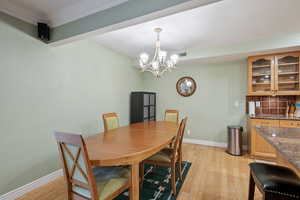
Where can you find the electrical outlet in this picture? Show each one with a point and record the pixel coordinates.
(257, 104)
(189, 132)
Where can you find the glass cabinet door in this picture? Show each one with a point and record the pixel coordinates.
(146, 99)
(287, 74)
(261, 75)
(152, 99)
(146, 112)
(152, 111)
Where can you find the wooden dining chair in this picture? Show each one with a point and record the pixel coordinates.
(83, 182)
(170, 157)
(172, 116)
(111, 121)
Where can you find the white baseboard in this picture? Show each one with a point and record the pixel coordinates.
(21, 191)
(204, 142)
(209, 143)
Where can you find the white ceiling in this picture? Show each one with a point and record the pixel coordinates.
(225, 23)
(54, 12)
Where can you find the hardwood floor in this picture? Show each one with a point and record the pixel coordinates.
(214, 175)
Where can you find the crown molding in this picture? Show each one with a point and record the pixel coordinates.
(77, 11)
(60, 17)
(21, 13)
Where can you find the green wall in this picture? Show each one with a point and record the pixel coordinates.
(213, 105)
(43, 89)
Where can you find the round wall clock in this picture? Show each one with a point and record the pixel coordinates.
(186, 86)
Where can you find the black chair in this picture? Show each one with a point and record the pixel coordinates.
(274, 182)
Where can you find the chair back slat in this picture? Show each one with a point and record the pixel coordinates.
(179, 137)
(111, 121)
(172, 116)
(78, 173)
(77, 197)
(76, 182)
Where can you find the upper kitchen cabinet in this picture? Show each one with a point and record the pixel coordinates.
(276, 74)
(287, 74)
(260, 75)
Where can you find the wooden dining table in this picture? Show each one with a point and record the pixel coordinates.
(130, 145)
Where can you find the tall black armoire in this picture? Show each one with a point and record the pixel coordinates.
(142, 107)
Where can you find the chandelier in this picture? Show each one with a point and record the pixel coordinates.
(159, 63)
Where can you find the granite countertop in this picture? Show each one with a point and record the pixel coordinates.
(275, 117)
(285, 140)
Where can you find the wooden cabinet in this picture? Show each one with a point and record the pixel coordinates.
(276, 74)
(290, 123)
(142, 107)
(261, 75)
(258, 146)
(287, 74)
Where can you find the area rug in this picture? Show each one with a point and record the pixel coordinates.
(157, 185)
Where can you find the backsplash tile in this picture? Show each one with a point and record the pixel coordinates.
(276, 105)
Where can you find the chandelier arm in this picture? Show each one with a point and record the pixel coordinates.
(149, 70)
(164, 70)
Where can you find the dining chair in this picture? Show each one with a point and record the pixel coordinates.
(172, 116)
(111, 121)
(170, 157)
(83, 181)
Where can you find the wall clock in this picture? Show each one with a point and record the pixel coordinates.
(186, 86)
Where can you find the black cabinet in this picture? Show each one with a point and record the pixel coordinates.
(142, 107)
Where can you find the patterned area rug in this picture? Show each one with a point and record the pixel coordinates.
(157, 183)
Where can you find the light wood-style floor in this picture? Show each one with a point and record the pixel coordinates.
(214, 175)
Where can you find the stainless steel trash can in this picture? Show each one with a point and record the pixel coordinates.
(234, 140)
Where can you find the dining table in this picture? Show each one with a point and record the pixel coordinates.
(130, 145)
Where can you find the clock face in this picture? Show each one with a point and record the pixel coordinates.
(186, 86)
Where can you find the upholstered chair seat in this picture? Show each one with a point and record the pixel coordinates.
(108, 181)
(162, 156)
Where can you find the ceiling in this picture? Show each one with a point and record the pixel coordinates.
(225, 23)
(54, 12)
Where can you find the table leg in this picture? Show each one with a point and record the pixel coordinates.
(135, 189)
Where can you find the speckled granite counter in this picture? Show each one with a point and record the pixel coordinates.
(274, 117)
(285, 140)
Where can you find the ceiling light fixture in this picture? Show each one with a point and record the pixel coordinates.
(159, 63)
